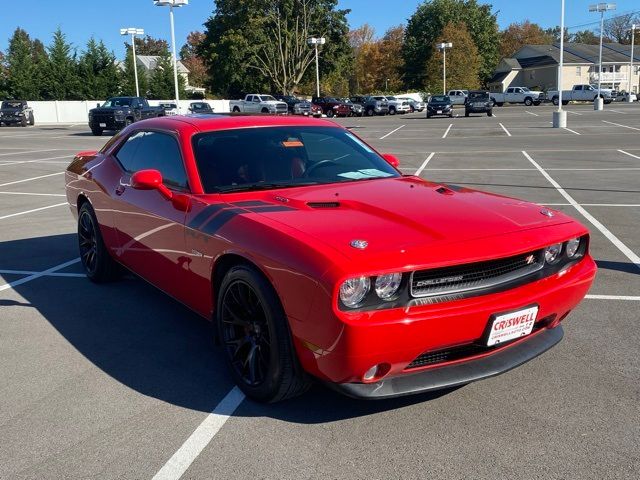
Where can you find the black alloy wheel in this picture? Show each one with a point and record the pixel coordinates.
(330, 112)
(254, 334)
(96, 260)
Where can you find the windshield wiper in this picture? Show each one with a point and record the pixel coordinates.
(247, 187)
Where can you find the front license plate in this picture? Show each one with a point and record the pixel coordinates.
(512, 325)
(103, 124)
(439, 112)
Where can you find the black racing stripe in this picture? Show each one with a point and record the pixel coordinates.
(218, 221)
(206, 213)
(251, 203)
(271, 208)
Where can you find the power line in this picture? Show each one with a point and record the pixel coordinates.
(597, 22)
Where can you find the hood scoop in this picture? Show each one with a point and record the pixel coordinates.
(442, 190)
(323, 204)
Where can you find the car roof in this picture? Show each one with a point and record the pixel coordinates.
(212, 122)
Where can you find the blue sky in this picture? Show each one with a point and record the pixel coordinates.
(80, 19)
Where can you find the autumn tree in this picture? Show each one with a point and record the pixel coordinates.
(365, 52)
(463, 61)
(190, 58)
(148, 45)
(392, 64)
(516, 35)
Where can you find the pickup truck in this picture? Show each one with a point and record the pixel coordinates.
(518, 95)
(581, 93)
(258, 103)
(118, 112)
(371, 106)
(395, 105)
(16, 111)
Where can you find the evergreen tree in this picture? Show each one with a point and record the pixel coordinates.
(161, 84)
(3, 76)
(20, 68)
(128, 81)
(98, 72)
(40, 58)
(61, 81)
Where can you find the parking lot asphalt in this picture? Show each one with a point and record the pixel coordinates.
(112, 381)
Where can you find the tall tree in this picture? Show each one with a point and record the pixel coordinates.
(98, 70)
(585, 36)
(61, 81)
(392, 66)
(266, 36)
(463, 62)
(3, 76)
(40, 59)
(20, 68)
(554, 32)
(426, 25)
(517, 35)
(161, 82)
(148, 45)
(366, 53)
(618, 28)
(190, 57)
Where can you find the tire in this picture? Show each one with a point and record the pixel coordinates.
(236, 110)
(128, 122)
(264, 110)
(528, 101)
(451, 115)
(412, 109)
(96, 260)
(490, 113)
(370, 112)
(537, 103)
(392, 111)
(330, 113)
(428, 115)
(565, 102)
(254, 334)
(23, 122)
(97, 131)
(500, 104)
(32, 120)
(555, 101)
(493, 102)
(466, 113)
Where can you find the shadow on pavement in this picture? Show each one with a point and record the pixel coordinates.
(625, 267)
(154, 345)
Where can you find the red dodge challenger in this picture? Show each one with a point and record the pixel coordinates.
(314, 257)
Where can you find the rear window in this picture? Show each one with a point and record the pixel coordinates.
(440, 99)
(276, 157)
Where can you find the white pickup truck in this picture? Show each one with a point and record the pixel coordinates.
(581, 93)
(517, 95)
(258, 103)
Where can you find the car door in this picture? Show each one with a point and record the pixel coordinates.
(150, 227)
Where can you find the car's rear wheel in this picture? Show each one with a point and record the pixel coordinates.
(254, 333)
(98, 264)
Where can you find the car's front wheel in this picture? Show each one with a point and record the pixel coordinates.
(96, 260)
(254, 333)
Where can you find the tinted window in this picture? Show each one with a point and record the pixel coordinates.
(153, 150)
(274, 157)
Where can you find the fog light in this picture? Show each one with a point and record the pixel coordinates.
(371, 373)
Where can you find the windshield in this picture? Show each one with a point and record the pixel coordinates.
(478, 96)
(391, 98)
(267, 98)
(11, 104)
(278, 157)
(525, 89)
(440, 99)
(168, 105)
(117, 102)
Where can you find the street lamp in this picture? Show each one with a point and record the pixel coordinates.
(133, 32)
(443, 48)
(171, 4)
(633, 34)
(560, 116)
(315, 42)
(601, 7)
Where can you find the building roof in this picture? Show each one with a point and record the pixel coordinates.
(539, 55)
(149, 62)
(498, 77)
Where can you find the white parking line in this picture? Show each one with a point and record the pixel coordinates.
(597, 204)
(30, 179)
(576, 169)
(392, 131)
(32, 211)
(37, 275)
(618, 111)
(623, 126)
(630, 154)
(572, 131)
(614, 297)
(573, 113)
(30, 151)
(29, 272)
(424, 164)
(505, 129)
(447, 132)
(615, 240)
(531, 113)
(34, 194)
(39, 160)
(200, 438)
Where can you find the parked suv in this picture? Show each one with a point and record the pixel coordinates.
(332, 106)
(370, 105)
(439, 105)
(395, 105)
(357, 110)
(16, 111)
(478, 101)
(200, 107)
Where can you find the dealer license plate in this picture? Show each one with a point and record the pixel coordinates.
(439, 112)
(512, 325)
(103, 124)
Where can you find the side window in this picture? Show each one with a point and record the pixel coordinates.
(578, 88)
(154, 150)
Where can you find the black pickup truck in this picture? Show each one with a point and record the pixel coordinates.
(118, 112)
(16, 112)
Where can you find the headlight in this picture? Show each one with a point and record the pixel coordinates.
(353, 291)
(573, 246)
(336, 107)
(552, 253)
(387, 285)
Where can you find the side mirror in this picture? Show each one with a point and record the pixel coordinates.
(98, 105)
(150, 180)
(391, 159)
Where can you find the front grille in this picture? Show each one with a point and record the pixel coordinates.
(474, 276)
(465, 351)
(102, 118)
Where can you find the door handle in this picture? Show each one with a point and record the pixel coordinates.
(120, 189)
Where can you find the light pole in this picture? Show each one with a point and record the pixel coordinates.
(133, 32)
(560, 116)
(600, 7)
(633, 35)
(171, 4)
(315, 42)
(443, 48)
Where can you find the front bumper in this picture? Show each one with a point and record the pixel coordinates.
(107, 123)
(478, 109)
(457, 374)
(12, 119)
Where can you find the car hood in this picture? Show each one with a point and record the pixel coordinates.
(401, 214)
(11, 110)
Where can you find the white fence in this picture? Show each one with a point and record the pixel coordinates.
(78, 111)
